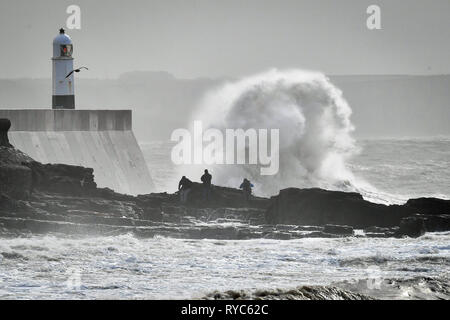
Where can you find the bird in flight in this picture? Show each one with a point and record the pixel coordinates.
(76, 70)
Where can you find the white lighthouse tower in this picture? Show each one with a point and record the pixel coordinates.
(63, 85)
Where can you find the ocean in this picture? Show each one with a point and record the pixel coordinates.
(125, 267)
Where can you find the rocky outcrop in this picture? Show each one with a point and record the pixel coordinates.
(411, 227)
(61, 178)
(41, 198)
(338, 230)
(417, 225)
(64, 199)
(320, 207)
(15, 176)
(299, 293)
(429, 206)
(5, 125)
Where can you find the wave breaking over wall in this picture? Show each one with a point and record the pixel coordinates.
(314, 124)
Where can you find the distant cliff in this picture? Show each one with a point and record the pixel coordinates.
(383, 106)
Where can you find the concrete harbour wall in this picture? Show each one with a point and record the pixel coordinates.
(99, 139)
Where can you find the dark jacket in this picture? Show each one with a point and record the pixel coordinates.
(246, 186)
(206, 179)
(184, 184)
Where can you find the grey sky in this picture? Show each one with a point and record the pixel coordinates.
(207, 38)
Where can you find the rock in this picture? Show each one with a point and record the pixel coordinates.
(153, 214)
(247, 233)
(436, 223)
(62, 178)
(299, 293)
(429, 206)
(320, 207)
(10, 155)
(222, 197)
(418, 224)
(220, 233)
(65, 199)
(12, 206)
(5, 124)
(339, 230)
(155, 200)
(412, 227)
(16, 180)
(15, 176)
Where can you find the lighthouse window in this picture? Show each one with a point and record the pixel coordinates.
(66, 50)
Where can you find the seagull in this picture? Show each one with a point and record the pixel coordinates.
(76, 70)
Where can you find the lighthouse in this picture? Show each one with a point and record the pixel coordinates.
(101, 139)
(63, 85)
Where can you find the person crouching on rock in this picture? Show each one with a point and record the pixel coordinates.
(246, 187)
(206, 179)
(184, 187)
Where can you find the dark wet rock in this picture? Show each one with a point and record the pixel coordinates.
(412, 227)
(320, 207)
(155, 200)
(217, 232)
(339, 230)
(430, 206)
(222, 197)
(247, 233)
(64, 199)
(436, 223)
(108, 194)
(10, 155)
(15, 177)
(5, 125)
(173, 210)
(13, 206)
(418, 224)
(153, 214)
(15, 181)
(13, 256)
(61, 178)
(299, 293)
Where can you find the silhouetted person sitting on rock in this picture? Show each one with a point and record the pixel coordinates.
(246, 187)
(206, 179)
(184, 187)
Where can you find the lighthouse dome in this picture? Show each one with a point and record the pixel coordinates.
(62, 45)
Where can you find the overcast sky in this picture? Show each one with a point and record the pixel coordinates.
(209, 38)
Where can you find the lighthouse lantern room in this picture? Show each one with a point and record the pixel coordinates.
(63, 83)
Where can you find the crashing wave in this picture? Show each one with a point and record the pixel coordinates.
(314, 124)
